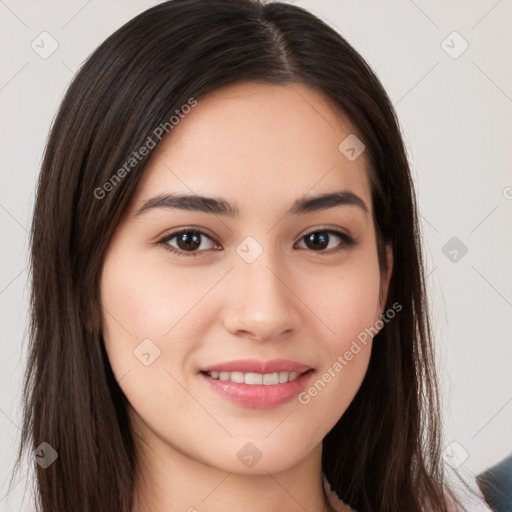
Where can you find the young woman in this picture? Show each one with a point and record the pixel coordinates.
(228, 300)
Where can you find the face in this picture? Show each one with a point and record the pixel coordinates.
(262, 287)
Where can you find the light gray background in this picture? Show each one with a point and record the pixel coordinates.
(455, 115)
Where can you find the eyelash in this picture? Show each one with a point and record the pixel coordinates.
(347, 241)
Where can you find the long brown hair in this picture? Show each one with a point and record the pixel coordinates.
(384, 454)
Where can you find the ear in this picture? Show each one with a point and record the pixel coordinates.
(386, 278)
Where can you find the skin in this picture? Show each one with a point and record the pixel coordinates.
(260, 147)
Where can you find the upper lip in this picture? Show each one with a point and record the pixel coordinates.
(255, 366)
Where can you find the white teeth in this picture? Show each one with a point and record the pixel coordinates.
(268, 379)
(237, 377)
(253, 378)
(283, 377)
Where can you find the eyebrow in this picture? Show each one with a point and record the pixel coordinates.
(219, 206)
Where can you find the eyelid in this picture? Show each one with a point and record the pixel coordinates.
(169, 236)
(326, 228)
(347, 240)
(174, 232)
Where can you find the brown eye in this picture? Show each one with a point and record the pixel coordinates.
(188, 242)
(319, 241)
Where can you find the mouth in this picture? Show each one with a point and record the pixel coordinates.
(256, 384)
(255, 379)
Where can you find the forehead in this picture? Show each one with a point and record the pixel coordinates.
(256, 144)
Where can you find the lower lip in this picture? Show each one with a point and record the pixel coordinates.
(259, 395)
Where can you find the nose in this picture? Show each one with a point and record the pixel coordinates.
(262, 305)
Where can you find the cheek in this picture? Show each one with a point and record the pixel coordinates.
(147, 300)
(144, 338)
(150, 301)
(347, 302)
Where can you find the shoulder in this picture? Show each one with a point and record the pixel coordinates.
(463, 484)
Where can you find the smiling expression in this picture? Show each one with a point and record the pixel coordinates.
(250, 236)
